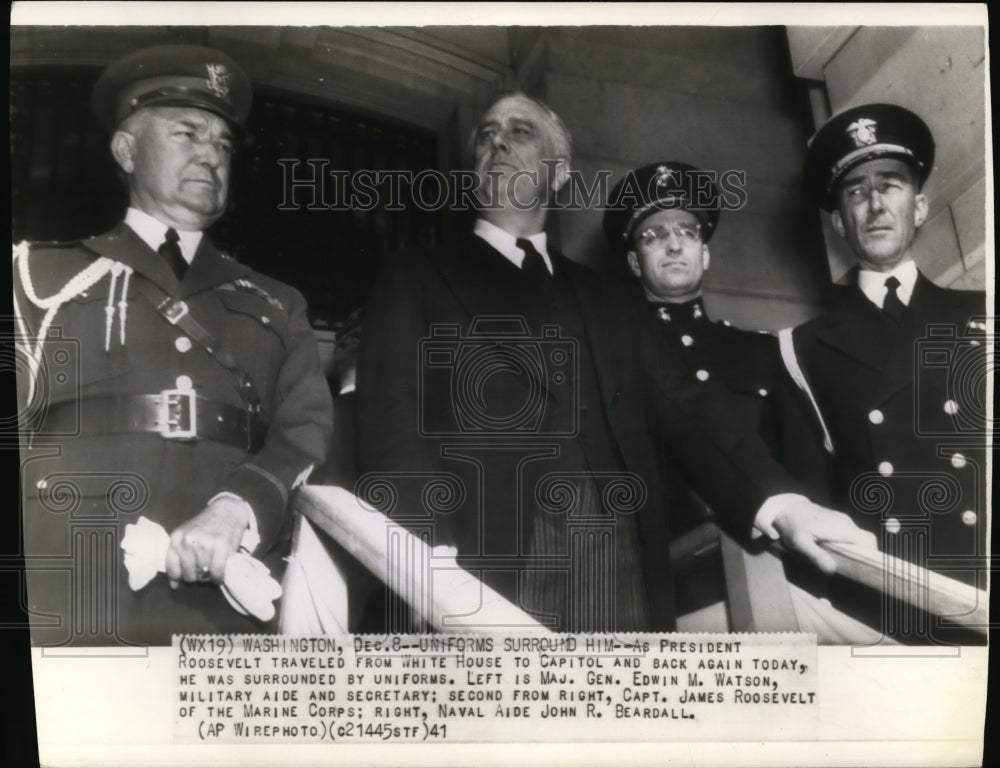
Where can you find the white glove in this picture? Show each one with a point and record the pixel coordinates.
(247, 585)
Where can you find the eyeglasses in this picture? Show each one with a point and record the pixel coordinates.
(686, 233)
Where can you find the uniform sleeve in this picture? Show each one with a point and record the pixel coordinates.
(797, 438)
(298, 434)
(771, 372)
(721, 455)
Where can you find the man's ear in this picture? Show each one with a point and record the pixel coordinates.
(561, 174)
(123, 150)
(838, 223)
(633, 264)
(705, 257)
(920, 210)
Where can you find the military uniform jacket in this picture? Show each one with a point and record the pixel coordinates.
(104, 338)
(744, 362)
(903, 419)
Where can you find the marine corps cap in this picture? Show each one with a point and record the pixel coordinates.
(172, 76)
(864, 133)
(660, 186)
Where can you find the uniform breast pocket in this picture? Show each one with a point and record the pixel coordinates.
(84, 344)
(255, 332)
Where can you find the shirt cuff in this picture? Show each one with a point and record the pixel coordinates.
(251, 539)
(763, 523)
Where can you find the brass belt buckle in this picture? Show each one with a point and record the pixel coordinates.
(170, 426)
(174, 311)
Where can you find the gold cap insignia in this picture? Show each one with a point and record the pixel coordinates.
(665, 175)
(218, 80)
(862, 132)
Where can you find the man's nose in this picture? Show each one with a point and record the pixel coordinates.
(674, 242)
(876, 201)
(209, 153)
(500, 140)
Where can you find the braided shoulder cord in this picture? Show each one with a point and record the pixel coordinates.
(79, 283)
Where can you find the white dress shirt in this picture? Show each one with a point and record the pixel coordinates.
(506, 243)
(153, 232)
(872, 284)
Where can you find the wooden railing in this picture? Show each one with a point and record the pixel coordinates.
(759, 597)
(445, 596)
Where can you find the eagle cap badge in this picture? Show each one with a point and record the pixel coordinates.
(862, 132)
(218, 80)
(665, 175)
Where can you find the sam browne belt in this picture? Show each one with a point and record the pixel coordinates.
(174, 414)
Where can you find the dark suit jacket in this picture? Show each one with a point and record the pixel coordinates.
(340, 467)
(82, 488)
(646, 400)
(905, 410)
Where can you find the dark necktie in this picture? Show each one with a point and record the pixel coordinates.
(892, 306)
(533, 265)
(170, 250)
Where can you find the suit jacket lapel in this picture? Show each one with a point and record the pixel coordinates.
(898, 369)
(485, 283)
(591, 305)
(849, 330)
(481, 278)
(210, 268)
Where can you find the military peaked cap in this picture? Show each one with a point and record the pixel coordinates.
(864, 133)
(172, 76)
(660, 186)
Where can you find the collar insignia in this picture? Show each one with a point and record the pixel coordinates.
(251, 287)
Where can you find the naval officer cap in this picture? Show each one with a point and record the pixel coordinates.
(172, 76)
(868, 132)
(660, 186)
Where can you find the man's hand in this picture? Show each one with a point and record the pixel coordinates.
(802, 525)
(200, 547)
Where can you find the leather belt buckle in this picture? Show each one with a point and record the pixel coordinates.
(174, 311)
(172, 422)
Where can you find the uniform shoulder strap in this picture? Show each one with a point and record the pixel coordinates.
(786, 343)
(176, 312)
